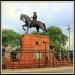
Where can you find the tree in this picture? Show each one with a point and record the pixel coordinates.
(10, 37)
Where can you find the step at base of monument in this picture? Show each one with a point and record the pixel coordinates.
(24, 66)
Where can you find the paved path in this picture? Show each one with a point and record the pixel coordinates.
(65, 69)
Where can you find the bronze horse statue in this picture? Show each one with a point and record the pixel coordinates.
(29, 23)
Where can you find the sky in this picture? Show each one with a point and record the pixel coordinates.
(52, 13)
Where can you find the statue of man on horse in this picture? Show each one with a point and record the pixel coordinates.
(32, 23)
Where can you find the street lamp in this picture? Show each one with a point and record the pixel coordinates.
(69, 35)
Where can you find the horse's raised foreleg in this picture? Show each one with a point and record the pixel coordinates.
(23, 27)
(27, 30)
(28, 26)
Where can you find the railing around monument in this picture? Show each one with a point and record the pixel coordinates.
(23, 59)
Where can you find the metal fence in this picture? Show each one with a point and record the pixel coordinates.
(31, 58)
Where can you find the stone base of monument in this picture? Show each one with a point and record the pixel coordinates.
(34, 41)
(33, 52)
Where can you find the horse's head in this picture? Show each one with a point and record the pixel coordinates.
(21, 16)
(25, 18)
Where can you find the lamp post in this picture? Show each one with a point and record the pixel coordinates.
(69, 35)
(37, 43)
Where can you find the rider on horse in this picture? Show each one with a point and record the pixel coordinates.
(34, 21)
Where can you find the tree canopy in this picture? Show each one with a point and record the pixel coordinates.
(10, 37)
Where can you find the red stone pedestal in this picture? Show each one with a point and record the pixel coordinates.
(34, 41)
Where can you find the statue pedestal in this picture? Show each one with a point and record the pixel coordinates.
(34, 41)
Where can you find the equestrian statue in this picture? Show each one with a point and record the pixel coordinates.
(32, 23)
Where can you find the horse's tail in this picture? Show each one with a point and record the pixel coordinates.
(44, 27)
